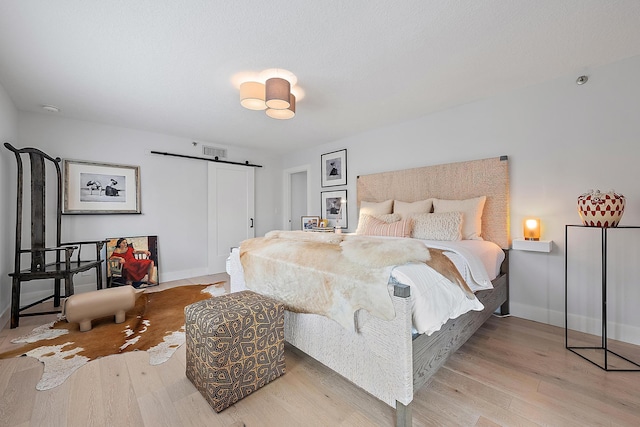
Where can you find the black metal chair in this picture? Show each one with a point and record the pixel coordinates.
(41, 261)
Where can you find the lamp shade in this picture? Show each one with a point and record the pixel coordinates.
(277, 93)
(252, 95)
(286, 113)
(531, 229)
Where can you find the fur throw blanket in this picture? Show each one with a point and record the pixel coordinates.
(334, 275)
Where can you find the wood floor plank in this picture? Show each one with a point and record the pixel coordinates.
(119, 397)
(51, 407)
(550, 366)
(494, 374)
(16, 402)
(619, 409)
(86, 402)
(195, 411)
(475, 405)
(483, 422)
(545, 410)
(473, 387)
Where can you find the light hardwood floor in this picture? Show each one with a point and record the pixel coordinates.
(512, 372)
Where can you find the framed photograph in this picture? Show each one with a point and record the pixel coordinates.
(334, 168)
(100, 188)
(141, 269)
(308, 222)
(334, 208)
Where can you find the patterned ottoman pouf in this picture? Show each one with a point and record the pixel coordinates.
(235, 345)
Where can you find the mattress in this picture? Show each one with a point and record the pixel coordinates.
(434, 299)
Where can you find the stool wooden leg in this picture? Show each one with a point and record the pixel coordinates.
(15, 303)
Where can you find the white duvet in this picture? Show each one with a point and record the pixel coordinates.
(434, 299)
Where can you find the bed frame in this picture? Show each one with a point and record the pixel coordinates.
(401, 362)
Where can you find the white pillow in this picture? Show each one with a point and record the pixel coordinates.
(437, 226)
(472, 214)
(388, 218)
(405, 209)
(376, 208)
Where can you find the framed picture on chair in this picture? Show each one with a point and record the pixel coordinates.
(132, 261)
(100, 188)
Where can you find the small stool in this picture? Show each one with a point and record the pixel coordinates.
(235, 345)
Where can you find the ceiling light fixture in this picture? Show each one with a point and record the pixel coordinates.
(275, 95)
(252, 96)
(284, 113)
(277, 92)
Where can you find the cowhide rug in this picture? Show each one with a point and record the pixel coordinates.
(154, 325)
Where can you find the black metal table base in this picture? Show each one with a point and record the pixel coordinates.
(606, 352)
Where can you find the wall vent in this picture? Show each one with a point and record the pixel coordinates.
(220, 153)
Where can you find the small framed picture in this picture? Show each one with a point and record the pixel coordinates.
(308, 222)
(334, 168)
(334, 208)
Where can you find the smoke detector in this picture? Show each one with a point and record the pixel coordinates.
(50, 108)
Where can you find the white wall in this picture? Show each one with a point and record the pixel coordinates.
(562, 139)
(174, 190)
(8, 133)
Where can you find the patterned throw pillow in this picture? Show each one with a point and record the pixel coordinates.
(437, 226)
(372, 226)
(374, 209)
(388, 218)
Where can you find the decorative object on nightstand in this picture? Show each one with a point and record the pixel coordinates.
(322, 229)
(601, 209)
(531, 229)
(308, 223)
(531, 240)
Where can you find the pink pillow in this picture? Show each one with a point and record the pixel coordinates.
(374, 227)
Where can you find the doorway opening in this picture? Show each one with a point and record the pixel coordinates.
(297, 200)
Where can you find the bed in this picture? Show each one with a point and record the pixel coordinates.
(402, 360)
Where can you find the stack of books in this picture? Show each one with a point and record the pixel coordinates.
(324, 229)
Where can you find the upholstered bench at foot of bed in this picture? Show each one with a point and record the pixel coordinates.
(235, 345)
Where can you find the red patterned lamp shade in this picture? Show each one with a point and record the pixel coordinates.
(601, 209)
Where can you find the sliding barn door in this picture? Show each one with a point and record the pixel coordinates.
(231, 210)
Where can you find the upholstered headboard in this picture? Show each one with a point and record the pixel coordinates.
(463, 180)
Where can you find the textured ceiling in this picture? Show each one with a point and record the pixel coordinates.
(172, 66)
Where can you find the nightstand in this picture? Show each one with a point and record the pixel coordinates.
(532, 245)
